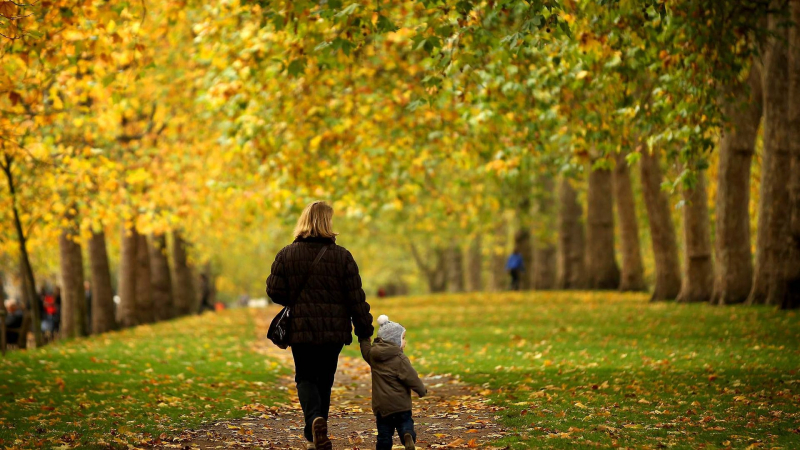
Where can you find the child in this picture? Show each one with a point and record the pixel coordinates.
(393, 378)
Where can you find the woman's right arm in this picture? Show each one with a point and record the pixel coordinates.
(277, 283)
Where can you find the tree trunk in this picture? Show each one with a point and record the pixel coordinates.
(3, 295)
(632, 277)
(698, 278)
(455, 268)
(791, 280)
(145, 312)
(128, 269)
(734, 265)
(498, 260)
(73, 297)
(102, 293)
(30, 298)
(160, 278)
(438, 276)
(183, 287)
(571, 239)
(435, 275)
(601, 263)
(662, 230)
(544, 249)
(773, 237)
(475, 265)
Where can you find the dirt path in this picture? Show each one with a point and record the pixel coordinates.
(453, 415)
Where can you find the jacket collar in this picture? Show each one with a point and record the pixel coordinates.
(316, 239)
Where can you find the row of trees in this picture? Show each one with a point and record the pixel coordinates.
(418, 118)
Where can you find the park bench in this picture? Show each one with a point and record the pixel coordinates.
(22, 332)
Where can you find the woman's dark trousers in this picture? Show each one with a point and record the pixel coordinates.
(315, 368)
(402, 422)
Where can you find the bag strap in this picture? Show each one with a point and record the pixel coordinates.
(308, 275)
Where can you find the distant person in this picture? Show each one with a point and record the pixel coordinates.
(323, 315)
(244, 300)
(515, 267)
(381, 292)
(13, 320)
(50, 311)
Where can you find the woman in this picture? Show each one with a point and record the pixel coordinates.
(321, 315)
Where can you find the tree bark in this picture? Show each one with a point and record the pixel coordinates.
(601, 263)
(160, 278)
(436, 275)
(734, 264)
(145, 311)
(183, 287)
(2, 294)
(662, 230)
(773, 236)
(698, 278)
(544, 249)
(475, 265)
(571, 239)
(455, 268)
(498, 260)
(791, 279)
(73, 298)
(31, 299)
(632, 277)
(128, 265)
(102, 293)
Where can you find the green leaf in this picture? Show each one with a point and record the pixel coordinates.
(297, 67)
(464, 7)
(565, 28)
(351, 8)
(385, 25)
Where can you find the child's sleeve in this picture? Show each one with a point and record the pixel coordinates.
(410, 378)
(365, 348)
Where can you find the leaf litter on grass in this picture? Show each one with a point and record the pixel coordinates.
(133, 387)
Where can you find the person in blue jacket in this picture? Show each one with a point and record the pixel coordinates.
(515, 266)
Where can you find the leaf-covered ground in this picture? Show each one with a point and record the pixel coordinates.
(137, 386)
(562, 370)
(452, 415)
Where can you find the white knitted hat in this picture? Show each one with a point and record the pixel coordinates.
(390, 331)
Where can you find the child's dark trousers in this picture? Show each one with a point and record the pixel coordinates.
(402, 422)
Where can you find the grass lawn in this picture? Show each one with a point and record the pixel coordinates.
(134, 386)
(570, 369)
(594, 370)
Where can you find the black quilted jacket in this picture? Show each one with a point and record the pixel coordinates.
(332, 299)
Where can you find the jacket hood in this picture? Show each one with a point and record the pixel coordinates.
(382, 350)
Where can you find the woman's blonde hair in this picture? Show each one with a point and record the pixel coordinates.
(315, 221)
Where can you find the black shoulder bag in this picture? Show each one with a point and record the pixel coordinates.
(281, 325)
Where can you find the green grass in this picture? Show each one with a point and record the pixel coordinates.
(569, 370)
(133, 386)
(605, 369)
